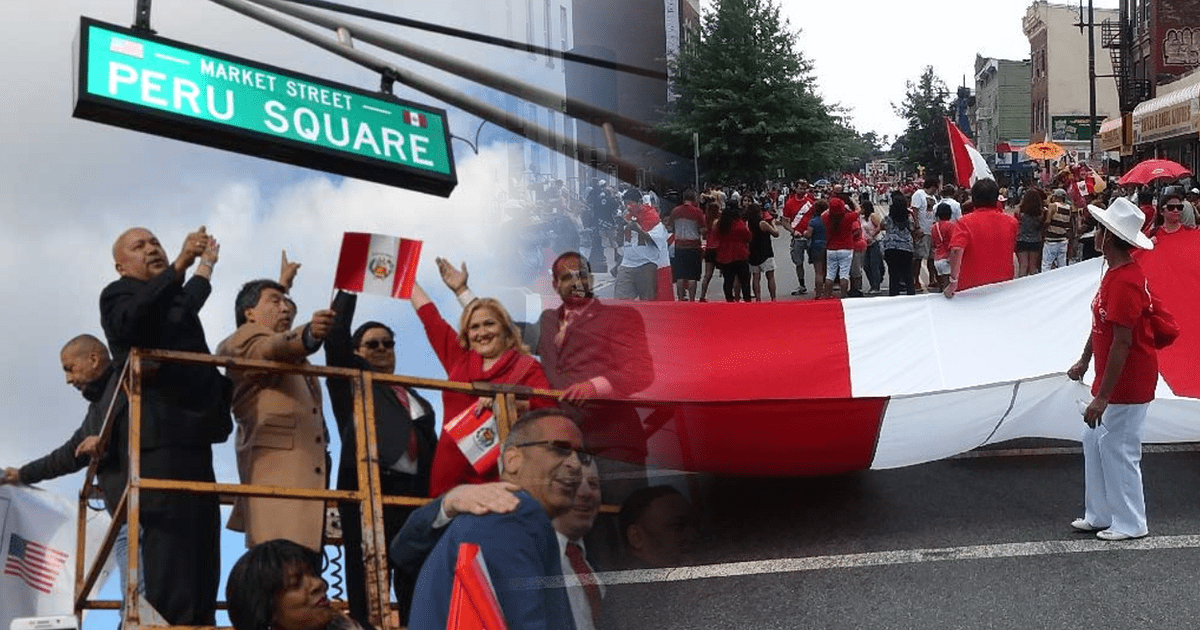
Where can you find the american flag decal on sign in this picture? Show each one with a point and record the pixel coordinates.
(414, 119)
(35, 564)
(126, 47)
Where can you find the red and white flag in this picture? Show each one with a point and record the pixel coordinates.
(478, 437)
(473, 603)
(378, 264)
(969, 165)
(127, 47)
(414, 119)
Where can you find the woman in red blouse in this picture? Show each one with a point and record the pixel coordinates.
(487, 347)
(1126, 375)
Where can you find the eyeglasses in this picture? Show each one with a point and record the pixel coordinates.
(561, 448)
(374, 344)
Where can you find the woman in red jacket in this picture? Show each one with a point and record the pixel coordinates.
(487, 347)
(733, 252)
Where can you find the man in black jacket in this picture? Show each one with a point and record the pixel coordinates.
(185, 410)
(89, 369)
(403, 434)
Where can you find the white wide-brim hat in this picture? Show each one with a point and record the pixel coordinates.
(1124, 220)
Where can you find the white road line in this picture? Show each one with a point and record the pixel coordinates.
(175, 59)
(376, 109)
(887, 558)
(1188, 447)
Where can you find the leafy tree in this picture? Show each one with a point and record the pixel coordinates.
(742, 84)
(924, 142)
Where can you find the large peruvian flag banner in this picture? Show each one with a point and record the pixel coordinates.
(378, 264)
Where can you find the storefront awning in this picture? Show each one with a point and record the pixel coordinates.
(1110, 135)
(1168, 116)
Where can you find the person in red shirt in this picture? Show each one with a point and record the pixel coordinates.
(981, 250)
(733, 252)
(839, 222)
(1146, 205)
(1123, 386)
(942, 232)
(688, 225)
(487, 347)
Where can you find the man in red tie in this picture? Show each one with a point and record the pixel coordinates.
(583, 587)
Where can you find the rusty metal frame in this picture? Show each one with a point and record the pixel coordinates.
(369, 493)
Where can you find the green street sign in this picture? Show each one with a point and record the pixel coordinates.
(159, 86)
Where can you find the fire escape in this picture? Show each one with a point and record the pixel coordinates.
(1117, 37)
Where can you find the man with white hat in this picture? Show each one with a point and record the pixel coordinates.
(1126, 373)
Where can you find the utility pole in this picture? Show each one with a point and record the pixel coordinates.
(1091, 35)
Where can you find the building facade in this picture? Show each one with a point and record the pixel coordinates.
(1059, 102)
(1002, 108)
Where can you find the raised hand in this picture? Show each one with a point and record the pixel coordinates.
(455, 279)
(287, 271)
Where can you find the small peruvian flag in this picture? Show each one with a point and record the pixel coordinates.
(478, 437)
(377, 263)
(414, 119)
(473, 603)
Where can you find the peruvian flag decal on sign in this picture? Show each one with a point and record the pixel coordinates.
(377, 263)
(414, 119)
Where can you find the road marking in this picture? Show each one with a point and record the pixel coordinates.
(1189, 447)
(888, 558)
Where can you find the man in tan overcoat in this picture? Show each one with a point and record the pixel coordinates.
(281, 435)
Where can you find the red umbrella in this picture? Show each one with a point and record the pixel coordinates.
(1150, 170)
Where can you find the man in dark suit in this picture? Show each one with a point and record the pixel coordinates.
(540, 456)
(185, 410)
(403, 434)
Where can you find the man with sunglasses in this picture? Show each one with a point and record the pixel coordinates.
(541, 468)
(403, 433)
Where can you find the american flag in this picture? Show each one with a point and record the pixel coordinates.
(414, 119)
(36, 565)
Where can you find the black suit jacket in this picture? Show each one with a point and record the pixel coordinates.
(182, 405)
(393, 423)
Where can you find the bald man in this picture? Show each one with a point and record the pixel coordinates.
(185, 409)
(88, 368)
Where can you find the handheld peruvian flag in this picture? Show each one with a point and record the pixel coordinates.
(414, 119)
(377, 263)
(473, 603)
(969, 165)
(478, 437)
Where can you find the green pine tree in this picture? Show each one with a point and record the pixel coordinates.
(743, 85)
(924, 143)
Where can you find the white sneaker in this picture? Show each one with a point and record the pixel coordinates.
(1109, 534)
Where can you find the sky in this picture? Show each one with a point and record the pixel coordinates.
(68, 187)
(863, 51)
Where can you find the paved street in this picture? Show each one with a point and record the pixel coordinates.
(981, 541)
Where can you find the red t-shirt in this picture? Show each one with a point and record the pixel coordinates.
(734, 245)
(988, 237)
(1122, 301)
(843, 236)
(943, 231)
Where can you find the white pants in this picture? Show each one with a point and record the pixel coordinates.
(1112, 456)
(1054, 255)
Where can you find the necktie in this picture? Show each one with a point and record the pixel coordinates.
(587, 579)
(402, 396)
